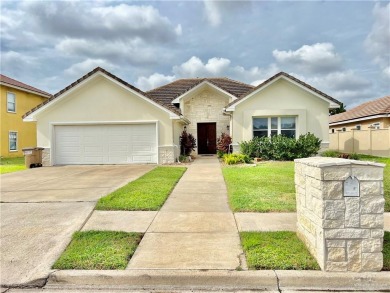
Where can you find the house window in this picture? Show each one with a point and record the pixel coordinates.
(376, 125)
(358, 127)
(270, 126)
(13, 141)
(343, 129)
(11, 102)
(332, 130)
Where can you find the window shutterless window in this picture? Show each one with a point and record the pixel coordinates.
(11, 102)
(13, 141)
(358, 127)
(270, 126)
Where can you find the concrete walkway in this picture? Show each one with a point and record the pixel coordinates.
(195, 229)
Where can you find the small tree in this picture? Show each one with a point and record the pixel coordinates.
(339, 110)
(187, 143)
(224, 142)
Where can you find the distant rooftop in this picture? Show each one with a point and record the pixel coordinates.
(14, 83)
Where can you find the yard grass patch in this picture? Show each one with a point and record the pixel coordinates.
(268, 187)
(147, 193)
(9, 165)
(98, 250)
(280, 250)
(386, 176)
(386, 251)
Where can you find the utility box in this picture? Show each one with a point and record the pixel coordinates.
(340, 212)
(33, 157)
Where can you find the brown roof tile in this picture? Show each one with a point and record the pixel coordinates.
(371, 108)
(13, 82)
(99, 69)
(292, 78)
(167, 93)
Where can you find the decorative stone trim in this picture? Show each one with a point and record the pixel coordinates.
(168, 154)
(343, 233)
(46, 160)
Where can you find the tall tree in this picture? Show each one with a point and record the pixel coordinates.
(341, 109)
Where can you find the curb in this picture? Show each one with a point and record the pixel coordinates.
(220, 280)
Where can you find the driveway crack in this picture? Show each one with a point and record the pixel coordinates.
(277, 281)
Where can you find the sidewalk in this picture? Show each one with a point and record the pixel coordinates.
(195, 229)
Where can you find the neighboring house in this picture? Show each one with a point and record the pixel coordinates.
(16, 99)
(101, 119)
(374, 114)
(364, 129)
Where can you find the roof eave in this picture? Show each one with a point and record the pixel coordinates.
(25, 90)
(359, 119)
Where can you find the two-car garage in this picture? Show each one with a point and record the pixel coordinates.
(105, 143)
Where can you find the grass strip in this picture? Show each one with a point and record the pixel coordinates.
(268, 187)
(147, 193)
(281, 250)
(98, 250)
(9, 165)
(386, 251)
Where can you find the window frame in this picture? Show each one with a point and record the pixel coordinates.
(269, 124)
(16, 141)
(358, 127)
(14, 102)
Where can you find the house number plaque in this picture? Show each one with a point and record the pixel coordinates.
(351, 187)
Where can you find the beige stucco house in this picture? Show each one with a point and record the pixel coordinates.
(101, 119)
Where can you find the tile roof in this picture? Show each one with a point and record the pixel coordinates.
(171, 108)
(291, 78)
(167, 93)
(14, 83)
(371, 108)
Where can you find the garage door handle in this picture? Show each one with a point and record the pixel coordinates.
(207, 142)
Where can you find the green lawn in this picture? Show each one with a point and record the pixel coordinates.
(280, 250)
(386, 251)
(386, 176)
(148, 193)
(98, 250)
(268, 187)
(8, 165)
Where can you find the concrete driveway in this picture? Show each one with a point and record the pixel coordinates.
(41, 208)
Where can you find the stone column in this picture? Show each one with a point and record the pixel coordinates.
(343, 233)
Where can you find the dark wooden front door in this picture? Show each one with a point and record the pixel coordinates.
(207, 138)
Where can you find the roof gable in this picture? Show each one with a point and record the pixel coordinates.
(169, 108)
(376, 107)
(7, 81)
(171, 91)
(333, 102)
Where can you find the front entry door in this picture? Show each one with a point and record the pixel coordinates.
(207, 138)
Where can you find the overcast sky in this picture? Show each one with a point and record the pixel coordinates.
(341, 48)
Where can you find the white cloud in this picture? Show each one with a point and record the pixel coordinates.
(214, 67)
(153, 81)
(79, 69)
(317, 58)
(216, 10)
(377, 42)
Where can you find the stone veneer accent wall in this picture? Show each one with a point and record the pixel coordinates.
(168, 154)
(46, 157)
(206, 106)
(343, 233)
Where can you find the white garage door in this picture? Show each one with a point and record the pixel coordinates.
(105, 144)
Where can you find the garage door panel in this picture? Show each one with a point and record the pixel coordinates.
(105, 144)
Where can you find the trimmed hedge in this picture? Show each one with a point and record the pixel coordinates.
(281, 148)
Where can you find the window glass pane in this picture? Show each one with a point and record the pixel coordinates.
(260, 123)
(288, 133)
(260, 133)
(288, 123)
(274, 123)
(11, 102)
(274, 132)
(12, 141)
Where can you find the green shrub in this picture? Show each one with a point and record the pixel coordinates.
(281, 148)
(232, 159)
(330, 153)
(220, 154)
